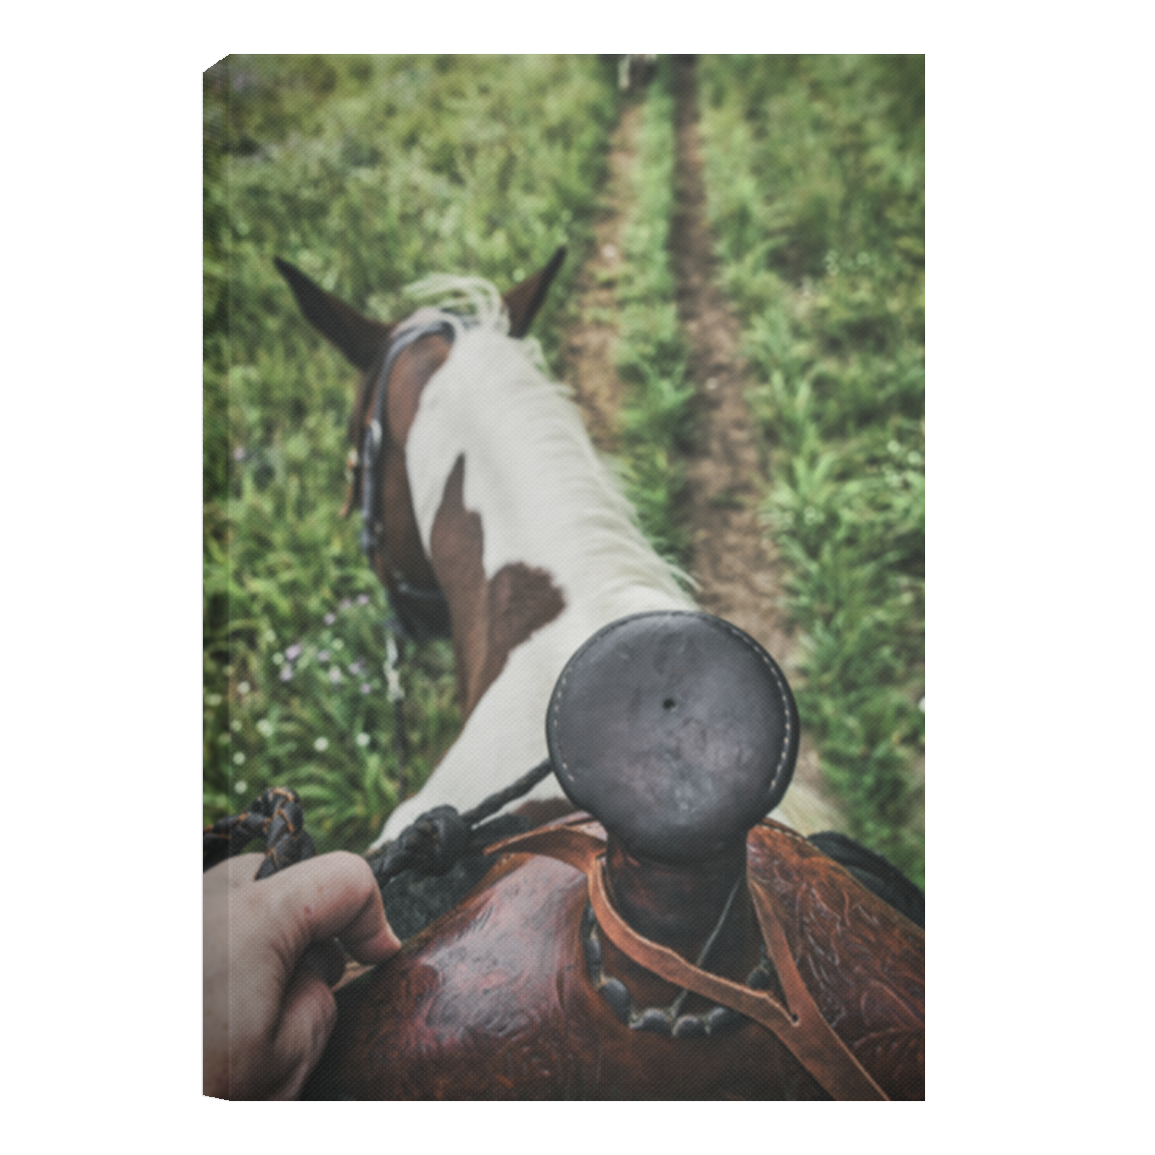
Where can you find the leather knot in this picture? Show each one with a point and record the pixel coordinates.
(431, 844)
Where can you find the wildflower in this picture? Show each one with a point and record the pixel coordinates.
(323, 656)
(264, 727)
(335, 676)
(239, 758)
(345, 603)
(213, 699)
(365, 687)
(357, 666)
(293, 652)
(243, 688)
(362, 740)
(236, 724)
(362, 599)
(239, 453)
(286, 673)
(241, 786)
(330, 619)
(321, 745)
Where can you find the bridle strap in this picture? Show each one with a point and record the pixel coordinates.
(421, 613)
(375, 429)
(799, 1025)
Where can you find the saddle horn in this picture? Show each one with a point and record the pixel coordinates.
(678, 732)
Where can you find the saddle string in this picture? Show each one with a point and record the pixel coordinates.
(435, 841)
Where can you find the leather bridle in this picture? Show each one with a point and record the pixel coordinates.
(422, 612)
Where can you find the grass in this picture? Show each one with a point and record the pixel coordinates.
(367, 172)
(814, 170)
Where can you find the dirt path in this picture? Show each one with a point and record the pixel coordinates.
(590, 343)
(739, 573)
(733, 557)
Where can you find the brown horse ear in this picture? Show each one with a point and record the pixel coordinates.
(523, 301)
(358, 337)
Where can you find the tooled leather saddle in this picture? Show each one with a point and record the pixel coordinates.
(665, 941)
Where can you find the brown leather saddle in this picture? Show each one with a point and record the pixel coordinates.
(678, 944)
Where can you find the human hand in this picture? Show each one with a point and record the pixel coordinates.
(270, 957)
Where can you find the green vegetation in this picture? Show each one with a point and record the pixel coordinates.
(658, 408)
(368, 173)
(815, 183)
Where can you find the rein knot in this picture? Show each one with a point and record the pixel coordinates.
(432, 844)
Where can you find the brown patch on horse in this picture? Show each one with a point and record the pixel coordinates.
(491, 617)
(411, 373)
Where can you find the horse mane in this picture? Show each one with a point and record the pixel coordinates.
(494, 397)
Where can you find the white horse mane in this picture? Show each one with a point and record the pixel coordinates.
(523, 439)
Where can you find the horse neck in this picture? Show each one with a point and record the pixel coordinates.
(538, 497)
(531, 477)
(529, 536)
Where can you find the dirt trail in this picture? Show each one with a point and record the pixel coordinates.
(739, 573)
(591, 341)
(733, 558)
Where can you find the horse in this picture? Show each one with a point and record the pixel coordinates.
(489, 518)
(493, 505)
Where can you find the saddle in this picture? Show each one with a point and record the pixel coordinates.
(664, 941)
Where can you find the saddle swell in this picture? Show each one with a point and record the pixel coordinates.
(496, 999)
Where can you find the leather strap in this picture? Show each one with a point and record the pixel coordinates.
(799, 1026)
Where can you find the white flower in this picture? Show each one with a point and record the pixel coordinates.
(243, 688)
(321, 745)
(241, 786)
(362, 739)
(265, 727)
(239, 758)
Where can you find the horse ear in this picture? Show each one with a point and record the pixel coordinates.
(523, 301)
(358, 337)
